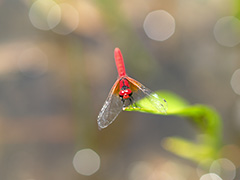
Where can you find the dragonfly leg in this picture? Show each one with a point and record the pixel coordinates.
(133, 103)
(123, 101)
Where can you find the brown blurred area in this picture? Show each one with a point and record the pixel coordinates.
(56, 72)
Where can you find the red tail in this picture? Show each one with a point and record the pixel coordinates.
(119, 62)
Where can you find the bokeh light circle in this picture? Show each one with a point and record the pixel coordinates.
(69, 19)
(159, 25)
(203, 163)
(226, 31)
(54, 16)
(210, 176)
(224, 168)
(235, 82)
(39, 14)
(86, 162)
(48, 15)
(33, 62)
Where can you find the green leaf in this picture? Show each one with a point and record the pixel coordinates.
(175, 104)
(205, 118)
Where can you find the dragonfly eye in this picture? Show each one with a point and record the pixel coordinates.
(121, 93)
(128, 91)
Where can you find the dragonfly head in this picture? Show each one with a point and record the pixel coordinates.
(125, 94)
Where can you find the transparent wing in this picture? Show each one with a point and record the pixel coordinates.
(111, 108)
(140, 91)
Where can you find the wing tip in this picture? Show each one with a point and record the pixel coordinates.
(102, 125)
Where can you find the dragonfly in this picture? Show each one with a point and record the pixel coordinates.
(125, 92)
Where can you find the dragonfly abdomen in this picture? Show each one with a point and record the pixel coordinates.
(119, 62)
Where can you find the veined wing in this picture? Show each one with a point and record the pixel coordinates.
(140, 91)
(111, 108)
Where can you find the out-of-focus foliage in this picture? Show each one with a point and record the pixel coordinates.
(236, 7)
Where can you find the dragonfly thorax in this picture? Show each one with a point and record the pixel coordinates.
(125, 91)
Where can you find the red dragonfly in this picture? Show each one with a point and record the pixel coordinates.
(126, 91)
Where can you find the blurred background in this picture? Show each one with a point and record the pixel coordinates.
(57, 67)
